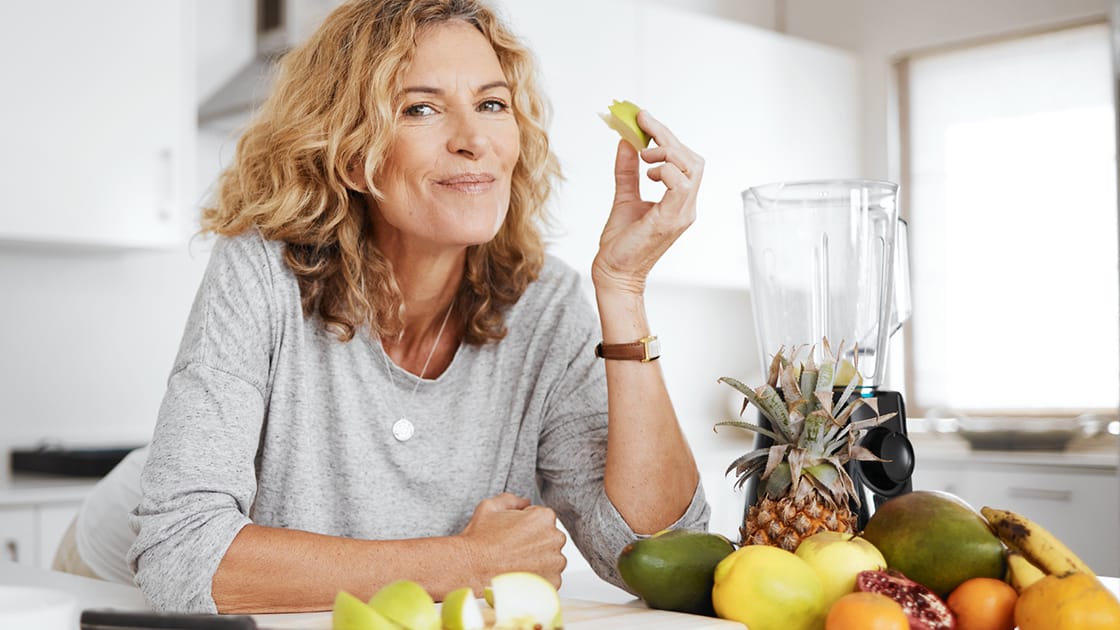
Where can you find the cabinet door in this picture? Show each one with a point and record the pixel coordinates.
(18, 537)
(1080, 507)
(98, 114)
(53, 521)
(945, 477)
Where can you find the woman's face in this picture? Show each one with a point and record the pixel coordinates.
(446, 178)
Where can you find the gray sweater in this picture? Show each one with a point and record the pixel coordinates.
(270, 419)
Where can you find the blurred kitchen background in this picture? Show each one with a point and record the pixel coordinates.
(997, 118)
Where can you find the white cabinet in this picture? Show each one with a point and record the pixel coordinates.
(1080, 505)
(29, 534)
(19, 535)
(98, 121)
(759, 106)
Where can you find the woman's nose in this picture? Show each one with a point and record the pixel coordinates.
(468, 137)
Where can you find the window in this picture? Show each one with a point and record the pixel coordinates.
(1010, 165)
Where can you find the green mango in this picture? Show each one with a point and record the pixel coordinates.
(675, 569)
(935, 539)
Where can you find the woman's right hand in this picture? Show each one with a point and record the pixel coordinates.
(507, 533)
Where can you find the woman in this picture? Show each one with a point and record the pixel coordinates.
(382, 366)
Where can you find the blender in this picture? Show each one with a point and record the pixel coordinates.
(829, 259)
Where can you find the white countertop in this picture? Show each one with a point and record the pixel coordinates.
(589, 603)
(1101, 454)
(582, 593)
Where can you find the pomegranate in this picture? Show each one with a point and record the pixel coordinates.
(924, 609)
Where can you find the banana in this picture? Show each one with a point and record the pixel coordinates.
(1020, 572)
(1037, 545)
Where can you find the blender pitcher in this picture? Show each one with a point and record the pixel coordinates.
(822, 260)
(825, 257)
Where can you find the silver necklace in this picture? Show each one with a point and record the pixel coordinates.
(403, 429)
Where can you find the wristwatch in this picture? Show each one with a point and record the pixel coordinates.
(645, 350)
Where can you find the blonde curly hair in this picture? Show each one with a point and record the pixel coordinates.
(334, 107)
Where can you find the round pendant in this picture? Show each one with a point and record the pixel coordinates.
(403, 430)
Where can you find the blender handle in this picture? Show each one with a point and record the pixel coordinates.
(902, 307)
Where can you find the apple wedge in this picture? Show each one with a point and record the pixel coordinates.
(525, 601)
(461, 612)
(351, 613)
(406, 604)
(623, 118)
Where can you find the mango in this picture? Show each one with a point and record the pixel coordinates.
(935, 539)
(675, 569)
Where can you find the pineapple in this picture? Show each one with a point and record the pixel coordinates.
(803, 486)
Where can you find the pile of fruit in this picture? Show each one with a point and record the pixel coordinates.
(925, 560)
(517, 600)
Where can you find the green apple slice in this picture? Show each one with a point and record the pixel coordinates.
(525, 601)
(407, 604)
(623, 118)
(461, 612)
(351, 613)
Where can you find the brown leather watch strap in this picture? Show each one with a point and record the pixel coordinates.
(645, 350)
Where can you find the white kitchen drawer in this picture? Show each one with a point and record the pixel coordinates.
(29, 534)
(18, 535)
(934, 476)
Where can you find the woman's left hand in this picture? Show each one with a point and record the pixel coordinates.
(639, 232)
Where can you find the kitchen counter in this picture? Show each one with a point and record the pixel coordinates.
(1101, 452)
(589, 603)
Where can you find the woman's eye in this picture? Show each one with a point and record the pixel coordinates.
(493, 105)
(418, 110)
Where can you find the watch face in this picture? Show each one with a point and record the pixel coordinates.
(653, 349)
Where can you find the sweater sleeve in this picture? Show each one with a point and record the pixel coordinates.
(573, 451)
(199, 483)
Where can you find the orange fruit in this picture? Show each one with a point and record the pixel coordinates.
(866, 611)
(1077, 601)
(983, 604)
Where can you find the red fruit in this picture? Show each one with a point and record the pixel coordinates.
(924, 609)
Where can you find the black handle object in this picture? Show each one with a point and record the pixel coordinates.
(143, 620)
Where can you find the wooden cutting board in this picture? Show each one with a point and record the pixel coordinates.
(578, 615)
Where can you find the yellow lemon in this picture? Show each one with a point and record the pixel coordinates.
(768, 588)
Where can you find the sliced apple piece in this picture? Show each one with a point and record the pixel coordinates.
(461, 612)
(488, 595)
(623, 118)
(406, 604)
(351, 613)
(525, 601)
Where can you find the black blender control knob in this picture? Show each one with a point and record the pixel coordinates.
(897, 449)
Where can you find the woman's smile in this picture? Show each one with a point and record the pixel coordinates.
(468, 183)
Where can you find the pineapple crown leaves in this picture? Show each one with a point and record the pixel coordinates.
(811, 428)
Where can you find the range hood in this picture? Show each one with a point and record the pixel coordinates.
(280, 25)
